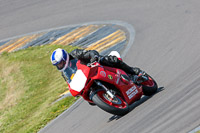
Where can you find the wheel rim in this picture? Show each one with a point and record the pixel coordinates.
(117, 102)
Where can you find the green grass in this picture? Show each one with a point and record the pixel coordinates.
(29, 84)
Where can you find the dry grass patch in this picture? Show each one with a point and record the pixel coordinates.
(11, 81)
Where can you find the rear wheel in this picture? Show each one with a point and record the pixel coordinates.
(116, 106)
(150, 86)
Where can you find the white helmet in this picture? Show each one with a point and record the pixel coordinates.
(60, 58)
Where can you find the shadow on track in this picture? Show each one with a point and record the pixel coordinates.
(135, 104)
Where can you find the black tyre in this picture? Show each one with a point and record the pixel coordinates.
(149, 87)
(116, 106)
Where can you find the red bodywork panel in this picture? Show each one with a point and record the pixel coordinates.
(129, 91)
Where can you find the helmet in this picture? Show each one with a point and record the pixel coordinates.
(60, 59)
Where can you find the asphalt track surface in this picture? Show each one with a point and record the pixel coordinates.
(166, 46)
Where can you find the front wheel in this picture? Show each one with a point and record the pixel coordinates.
(115, 106)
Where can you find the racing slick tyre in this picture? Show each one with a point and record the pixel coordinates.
(116, 106)
(150, 86)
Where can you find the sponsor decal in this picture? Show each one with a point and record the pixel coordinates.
(110, 77)
(103, 73)
(131, 92)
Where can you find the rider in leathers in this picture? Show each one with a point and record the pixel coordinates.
(88, 56)
(60, 58)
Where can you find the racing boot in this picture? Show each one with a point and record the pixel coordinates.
(136, 74)
(113, 61)
(128, 69)
(141, 77)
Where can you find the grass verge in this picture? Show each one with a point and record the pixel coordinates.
(28, 85)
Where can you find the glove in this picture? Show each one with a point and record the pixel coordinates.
(94, 59)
